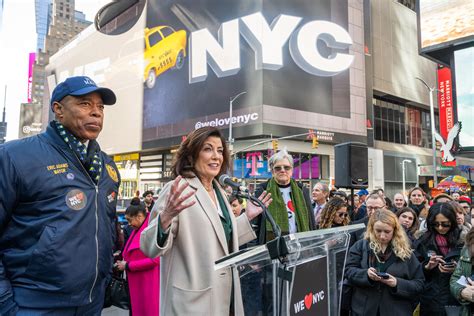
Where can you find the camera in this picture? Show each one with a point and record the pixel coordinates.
(383, 275)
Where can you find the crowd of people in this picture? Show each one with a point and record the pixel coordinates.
(59, 234)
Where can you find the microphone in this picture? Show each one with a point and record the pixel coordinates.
(226, 180)
(277, 247)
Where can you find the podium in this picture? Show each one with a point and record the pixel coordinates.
(308, 281)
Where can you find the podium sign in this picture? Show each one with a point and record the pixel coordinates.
(308, 282)
(309, 295)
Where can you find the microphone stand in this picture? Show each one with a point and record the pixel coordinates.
(277, 248)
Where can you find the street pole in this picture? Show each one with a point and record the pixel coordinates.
(433, 141)
(231, 100)
(403, 175)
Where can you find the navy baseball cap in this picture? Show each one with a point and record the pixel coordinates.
(81, 85)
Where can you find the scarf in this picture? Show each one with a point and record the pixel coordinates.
(417, 208)
(442, 243)
(278, 208)
(89, 157)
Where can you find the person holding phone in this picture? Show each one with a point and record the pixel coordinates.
(462, 281)
(385, 275)
(438, 250)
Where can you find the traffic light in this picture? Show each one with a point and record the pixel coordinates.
(275, 145)
(315, 142)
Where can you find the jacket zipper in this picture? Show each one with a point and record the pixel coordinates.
(96, 186)
(96, 242)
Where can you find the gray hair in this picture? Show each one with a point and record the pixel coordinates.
(324, 186)
(282, 154)
(376, 196)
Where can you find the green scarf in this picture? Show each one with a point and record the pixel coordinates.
(278, 208)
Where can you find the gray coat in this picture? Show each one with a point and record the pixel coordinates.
(368, 296)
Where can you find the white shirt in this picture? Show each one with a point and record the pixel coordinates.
(286, 194)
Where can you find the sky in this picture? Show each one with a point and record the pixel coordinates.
(17, 40)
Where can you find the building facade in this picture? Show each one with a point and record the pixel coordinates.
(375, 100)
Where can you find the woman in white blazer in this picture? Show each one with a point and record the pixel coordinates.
(192, 225)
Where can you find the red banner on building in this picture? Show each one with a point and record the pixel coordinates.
(445, 104)
(32, 58)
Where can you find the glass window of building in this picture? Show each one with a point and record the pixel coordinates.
(401, 124)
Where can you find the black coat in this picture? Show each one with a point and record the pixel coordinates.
(260, 220)
(437, 293)
(369, 296)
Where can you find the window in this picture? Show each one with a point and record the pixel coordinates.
(397, 123)
(167, 31)
(408, 3)
(154, 38)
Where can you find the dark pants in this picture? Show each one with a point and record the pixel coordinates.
(92, 309)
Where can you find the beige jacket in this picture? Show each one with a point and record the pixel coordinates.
(188, 283)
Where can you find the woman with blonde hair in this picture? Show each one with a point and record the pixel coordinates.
(385, 275)
(334, 214)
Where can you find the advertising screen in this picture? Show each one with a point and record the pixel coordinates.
(201, 54)
(464, 70)
(445, 22)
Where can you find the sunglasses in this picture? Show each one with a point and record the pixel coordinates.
(343, 215)
(281, 168)
(442, 224)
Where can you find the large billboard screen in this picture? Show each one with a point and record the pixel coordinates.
(444, 22)
(288, 55)
(464, 71)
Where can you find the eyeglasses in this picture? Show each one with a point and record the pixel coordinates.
(343, 215)
(442, 224)
(373, 208)
(281, 168)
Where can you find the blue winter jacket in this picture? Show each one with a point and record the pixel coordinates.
(56, 224)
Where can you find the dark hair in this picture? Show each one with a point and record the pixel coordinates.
(449, 212)
(188, 152)
(442, 195)
(388, 202)
(414, 189)
(135, 208)
(147, 192)
(470, 238)
(329, 212)
(416, 222)
(232, 198)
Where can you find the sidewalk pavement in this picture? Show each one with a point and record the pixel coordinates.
(114, 311)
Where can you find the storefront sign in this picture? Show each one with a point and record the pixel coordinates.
(268, 41)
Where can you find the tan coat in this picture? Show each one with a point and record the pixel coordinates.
(189, 285)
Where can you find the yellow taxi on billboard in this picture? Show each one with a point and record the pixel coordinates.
(165, 48)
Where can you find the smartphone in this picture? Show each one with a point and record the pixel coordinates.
(383, 275)
(449, 265)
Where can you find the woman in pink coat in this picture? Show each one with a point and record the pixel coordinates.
(143, 273)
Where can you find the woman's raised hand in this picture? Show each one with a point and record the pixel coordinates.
(252, 210)
(176, 202)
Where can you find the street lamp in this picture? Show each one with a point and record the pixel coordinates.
(231, 100)
(403, 175)
(433, 141)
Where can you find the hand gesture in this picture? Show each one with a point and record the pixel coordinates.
(120, 265)
(447, 269)
(434, 261)
(468, 292)
(176, 202)
(372, 274)
(252, 210)
(391, 281)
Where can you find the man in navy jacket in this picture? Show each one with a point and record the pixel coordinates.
(58, 193)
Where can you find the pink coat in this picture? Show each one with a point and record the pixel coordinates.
(143, 276)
